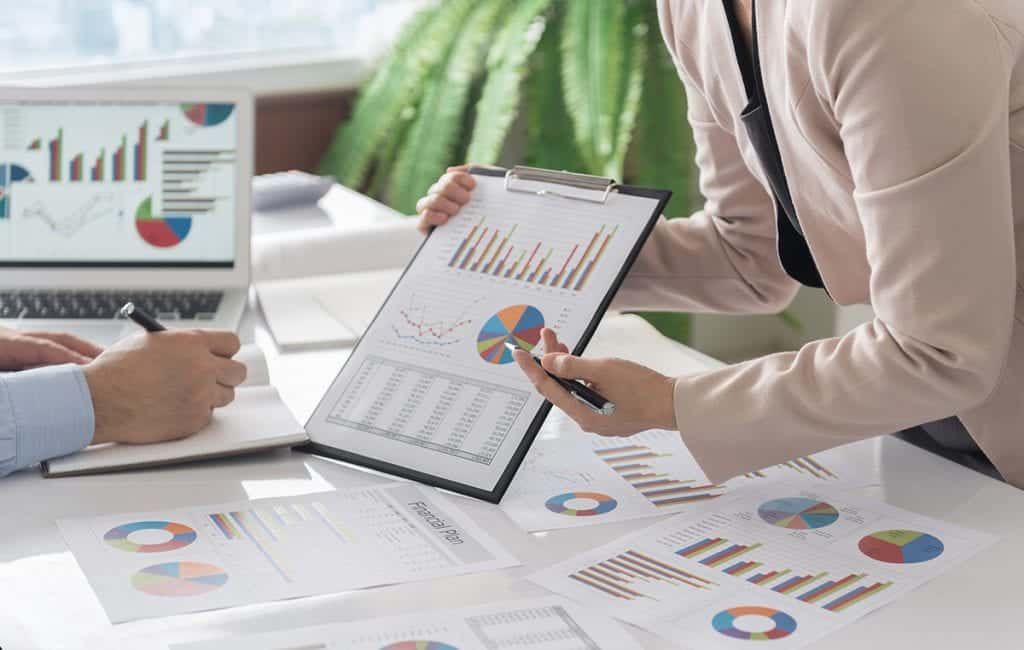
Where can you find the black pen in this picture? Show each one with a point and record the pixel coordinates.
(140, 317)
(590, 397)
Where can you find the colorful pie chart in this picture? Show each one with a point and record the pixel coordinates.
(177, 579)
(602, 504)
(207, 114)
(783, 624)
(518, 324)
(419, 645)
(901, 546)
(180, 536)
(164, 231)
(798, 513)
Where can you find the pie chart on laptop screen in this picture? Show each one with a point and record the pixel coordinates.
(207, 114)
(161, 231)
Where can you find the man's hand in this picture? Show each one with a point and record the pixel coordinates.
(644, 399)
(162, 386)
(25, 350)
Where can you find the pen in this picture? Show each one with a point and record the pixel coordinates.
(140, 317)
(590, 397)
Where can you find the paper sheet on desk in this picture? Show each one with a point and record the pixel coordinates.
(151, 564)
(797, 562)
(330, 251)
(324, 310)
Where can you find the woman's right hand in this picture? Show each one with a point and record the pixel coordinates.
(445, 198)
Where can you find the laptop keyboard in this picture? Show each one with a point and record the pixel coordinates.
(166, 305)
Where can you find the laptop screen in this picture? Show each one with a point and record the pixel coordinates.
(117, 184)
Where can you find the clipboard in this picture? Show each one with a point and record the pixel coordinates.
(429, 393)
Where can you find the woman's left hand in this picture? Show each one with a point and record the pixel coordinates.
(643, 398)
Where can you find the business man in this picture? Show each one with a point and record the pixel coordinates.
(68, 394)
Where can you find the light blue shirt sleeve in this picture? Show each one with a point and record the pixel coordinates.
(44, 413)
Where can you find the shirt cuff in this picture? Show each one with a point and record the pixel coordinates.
(52, 412)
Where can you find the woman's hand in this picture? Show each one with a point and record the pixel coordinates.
(445, 198)
(24, 350)
(643, 398)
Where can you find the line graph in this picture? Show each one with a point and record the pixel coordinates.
(422, 321)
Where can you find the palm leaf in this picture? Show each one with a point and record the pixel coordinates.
(602, 72)
(506, 65)
(663, 153)
(396, 84)
(427, 148)
(549, 130)
(634, 60)
(592, 55)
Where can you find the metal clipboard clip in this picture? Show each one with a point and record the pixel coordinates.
(569, 179)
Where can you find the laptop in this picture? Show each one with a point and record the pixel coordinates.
(109, 196)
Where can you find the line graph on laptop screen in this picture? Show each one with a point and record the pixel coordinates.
(95, 183)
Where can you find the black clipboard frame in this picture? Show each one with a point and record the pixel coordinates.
(495, 495)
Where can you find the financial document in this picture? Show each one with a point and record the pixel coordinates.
(784, 564)
(432, 386)
(571, 479)
(191, 559)
(550, 623)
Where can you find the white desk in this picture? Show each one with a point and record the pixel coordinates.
(46, 603)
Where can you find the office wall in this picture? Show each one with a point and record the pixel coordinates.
(293, 131)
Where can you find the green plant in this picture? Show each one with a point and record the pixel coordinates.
(590, 81)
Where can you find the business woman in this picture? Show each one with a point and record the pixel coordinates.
(874, 148)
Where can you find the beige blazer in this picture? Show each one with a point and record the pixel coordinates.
(901, 128)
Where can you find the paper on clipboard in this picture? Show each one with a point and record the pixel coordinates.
(431, 392)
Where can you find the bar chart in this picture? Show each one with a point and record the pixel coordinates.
(833, 590)
(496, 252)
(633, 574)
(194, 181)
(76, 164)
(637, 464)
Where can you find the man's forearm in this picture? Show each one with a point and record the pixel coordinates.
(44, 413)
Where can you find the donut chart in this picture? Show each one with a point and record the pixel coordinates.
(603, 504)
(177, 579)
(419, 645)
(518, 324)
(181, 536)
(724, 622)
(161, 231)
(901, 546)
(798, 513)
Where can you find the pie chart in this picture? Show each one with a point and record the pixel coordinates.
(901, 546)
(798, 513)
(782, 623)
(518, 324)
(180, 536)
(165, 231)
(207, 114)
(179, 579)
(419, 645)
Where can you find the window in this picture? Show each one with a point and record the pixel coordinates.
(50, 38)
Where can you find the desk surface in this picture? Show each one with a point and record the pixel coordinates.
(45, 601)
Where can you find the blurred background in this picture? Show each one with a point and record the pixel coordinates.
(383, 94)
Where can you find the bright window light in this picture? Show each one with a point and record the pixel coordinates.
(66, 34)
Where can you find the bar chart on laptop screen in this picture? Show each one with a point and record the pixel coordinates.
(117, 182)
